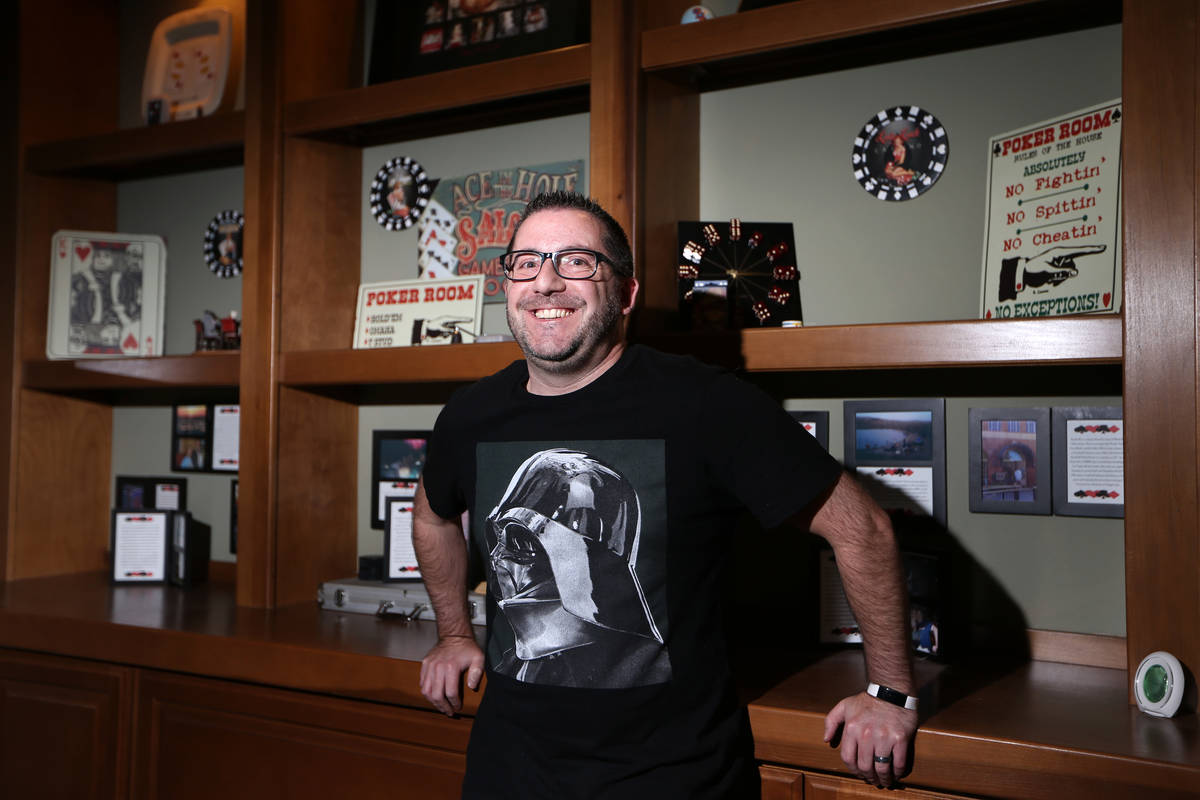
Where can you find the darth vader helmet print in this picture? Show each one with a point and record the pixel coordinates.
(563, 548)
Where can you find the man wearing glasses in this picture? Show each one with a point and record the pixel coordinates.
(603, 502)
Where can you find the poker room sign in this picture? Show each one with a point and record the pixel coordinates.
(1052, 241)
(470, 220)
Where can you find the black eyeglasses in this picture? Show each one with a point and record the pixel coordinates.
(576, 264)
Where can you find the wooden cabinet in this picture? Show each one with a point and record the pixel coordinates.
(64, 727)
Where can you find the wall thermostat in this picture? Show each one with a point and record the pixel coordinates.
(1159, 684)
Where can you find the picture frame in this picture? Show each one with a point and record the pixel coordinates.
(397, 457)
(139, 493)
(1089, 467)
(816, 423)
(1009, 464)
(233, 515)
(139, 545)
(399, 555)
(205, 437)
(897, 448)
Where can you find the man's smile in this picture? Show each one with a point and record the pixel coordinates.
(552, 313)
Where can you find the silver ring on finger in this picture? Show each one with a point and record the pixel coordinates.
(883, 759)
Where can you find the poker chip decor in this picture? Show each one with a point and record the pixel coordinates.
(223, 244)
(399, 193)
(900, 153)
(738, 274)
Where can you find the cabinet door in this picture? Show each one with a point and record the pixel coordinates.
(64, 727)
(201, 738)
(781, 783)
(826, 787)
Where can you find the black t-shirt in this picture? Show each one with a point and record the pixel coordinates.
(604, 520)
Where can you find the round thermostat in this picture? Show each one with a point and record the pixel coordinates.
(223, 244)
(900, 153)
(399, 193)
(1159, 684)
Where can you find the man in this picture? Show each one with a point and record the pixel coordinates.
(603, 498)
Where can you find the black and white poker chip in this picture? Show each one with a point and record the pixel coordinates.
(399, 193)
(900, 153)
(223, 244)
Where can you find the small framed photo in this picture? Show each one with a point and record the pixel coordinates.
(140, 541)
(399, 556)
(397, 458)
(816, 423)
(135, 493)
(190, 429)
(1089, 461)
(1009, 460)
(233, 515)
(897, 449)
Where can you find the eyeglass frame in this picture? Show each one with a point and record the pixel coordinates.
(554, 258)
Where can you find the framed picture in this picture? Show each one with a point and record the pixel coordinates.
(1089, 461)
(150, 494)
(233, 515)
(1009, 460)
(397, 458)
(399, 556)
(897, 448)
(139, 546)
(191, 426)
(816, 423)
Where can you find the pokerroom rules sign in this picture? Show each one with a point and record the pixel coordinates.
(1052, 236)
(418, 312)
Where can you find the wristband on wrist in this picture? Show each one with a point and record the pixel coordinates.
(889, 695)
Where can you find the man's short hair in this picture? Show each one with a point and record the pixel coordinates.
(616, 243)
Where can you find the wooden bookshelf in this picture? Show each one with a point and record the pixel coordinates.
(215, 370)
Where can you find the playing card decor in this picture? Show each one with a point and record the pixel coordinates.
(223, 244)
(399, 193)
(738, 274)
(1052, 239)
(107, 292)
(470, 220)
(900, 153)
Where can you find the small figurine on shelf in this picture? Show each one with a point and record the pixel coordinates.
(216, 333)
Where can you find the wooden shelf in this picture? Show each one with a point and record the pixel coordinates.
(213, 370)
(447, 363)
(173, 148)
(798, 37)
(971, 343)
(544, 84)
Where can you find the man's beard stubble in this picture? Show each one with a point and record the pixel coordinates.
(594, 330)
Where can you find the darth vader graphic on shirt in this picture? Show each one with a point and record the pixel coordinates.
(573, 537)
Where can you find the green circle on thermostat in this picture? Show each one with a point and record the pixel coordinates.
(1154, 683)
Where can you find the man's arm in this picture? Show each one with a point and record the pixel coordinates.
(869, 563)
(442, 555)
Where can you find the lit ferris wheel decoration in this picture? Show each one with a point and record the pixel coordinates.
(738, 274)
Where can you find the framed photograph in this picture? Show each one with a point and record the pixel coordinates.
(191, 426)
(397, 458)
(139, 546)
(226, 435)
(1009, 460)
(399, 556)
(107, 292)
(816, 423)
(150, 494)
(1089, 461)
(233, 515)
(897, 448)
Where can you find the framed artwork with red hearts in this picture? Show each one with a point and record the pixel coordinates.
(107, 292)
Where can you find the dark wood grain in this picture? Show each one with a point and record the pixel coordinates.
(455, 362)
(214, 369)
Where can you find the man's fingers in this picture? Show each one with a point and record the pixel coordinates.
(833, 721)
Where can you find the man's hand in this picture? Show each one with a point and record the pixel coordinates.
(872, 728)
(442, 672)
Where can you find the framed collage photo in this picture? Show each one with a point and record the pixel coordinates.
(816, 423)
(1009, 460)
(397, 458)
(136, 493)
(205, 437)
(1089, 461)
(897, 448)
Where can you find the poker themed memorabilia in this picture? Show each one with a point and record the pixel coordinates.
(900, 153)
(135, 493)
(1052, 238)
(193, 66)
(223, 244)
(738, 274)
(418, 312)
(471, 219)
(205, 438)
(422, 36)
(399, 193)
(397, 458)
(139, 541)
(107, 293)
